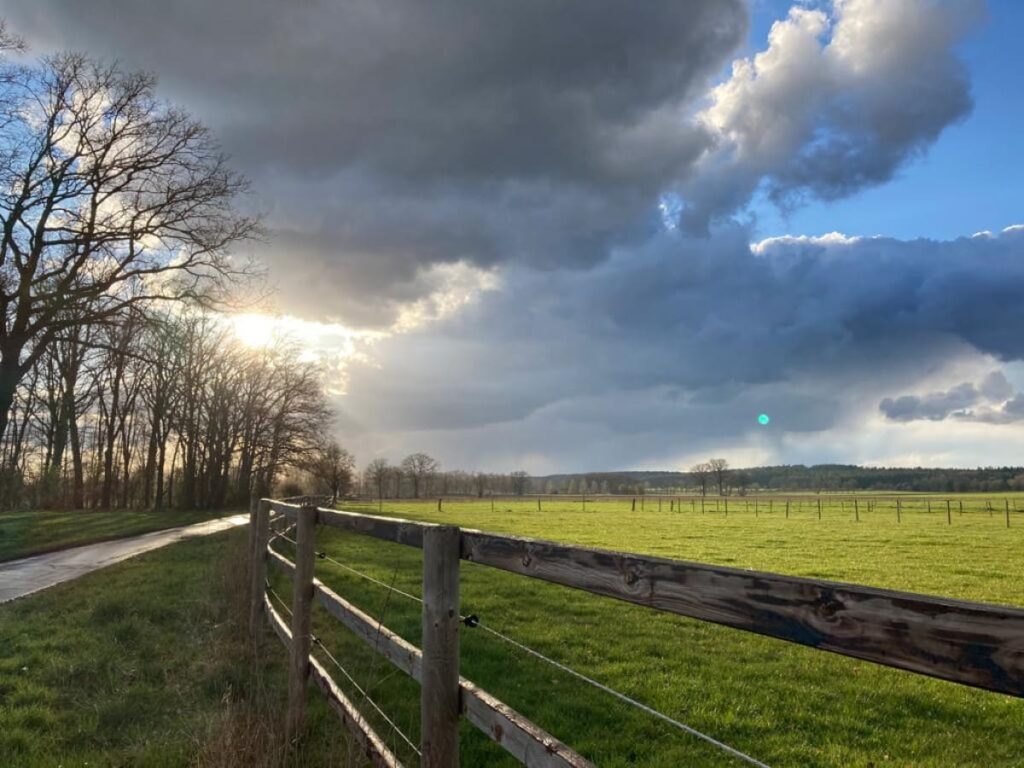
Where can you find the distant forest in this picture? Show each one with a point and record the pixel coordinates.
(794, 477)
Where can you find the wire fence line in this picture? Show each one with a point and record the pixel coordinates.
(472, 621)
(363, 691)
(366, 696)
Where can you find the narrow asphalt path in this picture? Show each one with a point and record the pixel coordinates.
(31, 574)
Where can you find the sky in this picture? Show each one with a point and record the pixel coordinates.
(592, 236)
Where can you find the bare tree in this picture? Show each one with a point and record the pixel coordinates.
(331, 468)
(519, 481)
(419, 468)
(700, 473)
(718, 468)
(377, 475)
(109, 198)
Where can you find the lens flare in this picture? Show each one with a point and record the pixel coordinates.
(763, 419)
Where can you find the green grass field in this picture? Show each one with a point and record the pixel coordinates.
(146, 663)
(784, 704)
(25, 533)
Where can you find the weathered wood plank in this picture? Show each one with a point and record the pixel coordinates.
(302, 603)
(439, 683)
(258, 571)
(521, 738)
(969, 643)
(398, 530)
(391, 646)
(372, 745)
(530, 745)
(281, 563)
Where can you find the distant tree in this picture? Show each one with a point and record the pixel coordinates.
(718, 468)
(419, 468)
(701, 472)
(519, 482)
(480, 484)
(376, 475)
(331, 467)
(742, 480)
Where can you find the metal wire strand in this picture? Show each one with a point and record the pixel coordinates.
(350, 569)
(365, 695)
(279, 599)
(623, 697)
(578, 675)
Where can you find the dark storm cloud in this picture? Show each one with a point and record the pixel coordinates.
(386, 137)
(935, 406)
(694, 337)
(992, 401)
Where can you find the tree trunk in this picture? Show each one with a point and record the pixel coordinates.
(10, 375)
(78, 483)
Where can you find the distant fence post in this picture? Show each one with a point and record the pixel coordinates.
(302, 604)
(1006, 503)
(949, 517)
(439, 692)
(260, 535)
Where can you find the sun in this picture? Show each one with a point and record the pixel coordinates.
(255, 330)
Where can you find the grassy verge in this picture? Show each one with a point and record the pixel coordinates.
(786, 705)
(37, 531)
(146, 664)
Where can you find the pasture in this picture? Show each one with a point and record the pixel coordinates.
(783, 704)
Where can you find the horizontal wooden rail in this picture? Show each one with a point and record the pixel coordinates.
(522, 739)
(373, 748)
(974, 644)
(970, 643)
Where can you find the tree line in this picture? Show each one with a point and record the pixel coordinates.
(715, 476)
(120, 225)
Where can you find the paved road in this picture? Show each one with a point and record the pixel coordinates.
(23, 577)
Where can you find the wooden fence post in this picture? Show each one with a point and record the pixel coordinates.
(1006, 502)
(897, 510)
(260, 537)
(856, 510)
(302, 604)
(439, 692)
(819, 508)
(254, 507)
(949, 519)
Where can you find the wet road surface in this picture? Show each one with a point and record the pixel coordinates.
(31, 574)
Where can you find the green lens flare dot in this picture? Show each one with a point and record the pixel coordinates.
(763, 419)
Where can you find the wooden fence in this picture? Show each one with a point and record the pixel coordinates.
(973, 644)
